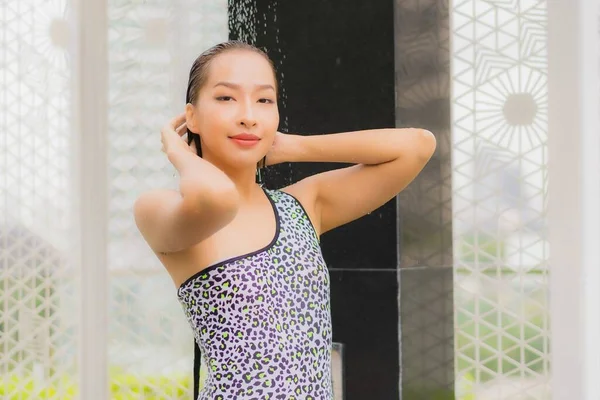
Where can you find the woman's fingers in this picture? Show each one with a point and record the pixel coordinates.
(177, 121)
(169, 141)
(182, 129)
(176, 125)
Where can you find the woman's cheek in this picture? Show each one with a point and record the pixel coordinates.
(212, 121)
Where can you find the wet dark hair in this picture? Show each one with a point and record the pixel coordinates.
(199, 75)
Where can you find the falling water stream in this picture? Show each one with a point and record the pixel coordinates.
(244, 25)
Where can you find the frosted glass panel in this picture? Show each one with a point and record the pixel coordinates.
(499, 198)
(37, 297)
(152, 45)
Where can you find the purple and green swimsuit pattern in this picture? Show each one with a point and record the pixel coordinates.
(262, 321)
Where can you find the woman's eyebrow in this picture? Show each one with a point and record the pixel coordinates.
(236, 86)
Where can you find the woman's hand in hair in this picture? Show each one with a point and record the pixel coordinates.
(171, 136)
(283, 147)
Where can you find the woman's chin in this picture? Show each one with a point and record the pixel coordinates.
(242, 163)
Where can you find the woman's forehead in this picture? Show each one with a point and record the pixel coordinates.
(242, 68)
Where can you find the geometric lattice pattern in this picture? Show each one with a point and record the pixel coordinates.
(423, 99)
(422, 70)
(152, 45)
(426, 309)
(499, 108)
(37, 313)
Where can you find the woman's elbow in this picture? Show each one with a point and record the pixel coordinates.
(427, 143)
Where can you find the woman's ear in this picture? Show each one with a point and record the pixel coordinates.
(190, 121)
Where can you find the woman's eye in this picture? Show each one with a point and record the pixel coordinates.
(224, 98)
(266, 101)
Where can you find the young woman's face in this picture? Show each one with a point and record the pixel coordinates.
(238, 98)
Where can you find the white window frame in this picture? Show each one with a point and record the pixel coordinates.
(89, 57)
(574, 197)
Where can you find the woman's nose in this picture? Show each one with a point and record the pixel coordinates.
(247, 117)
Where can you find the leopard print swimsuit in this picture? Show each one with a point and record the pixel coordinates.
(262, 320)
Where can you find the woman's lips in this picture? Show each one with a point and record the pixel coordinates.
(246, 136)
(245, 142)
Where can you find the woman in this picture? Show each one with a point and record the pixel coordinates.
(247, 261)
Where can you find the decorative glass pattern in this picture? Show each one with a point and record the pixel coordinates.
(152, 45)
(499, 152)
(37, 314)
